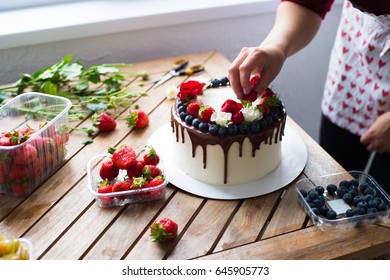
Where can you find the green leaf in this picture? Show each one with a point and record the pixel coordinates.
(3, 96)
(49, 87)
(71, 71)
(86, 142)
(102, 69)
(97, 106)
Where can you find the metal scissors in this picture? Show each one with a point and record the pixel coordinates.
(178, 69)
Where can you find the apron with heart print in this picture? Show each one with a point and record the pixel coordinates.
(357, 88)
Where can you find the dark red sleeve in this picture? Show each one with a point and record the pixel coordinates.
(320, 7)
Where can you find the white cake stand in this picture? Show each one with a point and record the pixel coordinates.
(294, 157)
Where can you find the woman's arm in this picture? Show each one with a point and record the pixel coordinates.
(295, 26)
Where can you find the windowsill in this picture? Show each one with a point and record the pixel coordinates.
(93, 18)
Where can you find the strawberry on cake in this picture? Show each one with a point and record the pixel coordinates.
(220, 140)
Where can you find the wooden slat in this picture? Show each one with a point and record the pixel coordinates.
(180, 209)
(204, 231)
(248, 222)
(289, 215)
(311, 243)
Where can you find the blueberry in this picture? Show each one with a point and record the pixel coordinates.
(362, 204)
(344, 183)
(341, 190)
(371, 210)
(315, 211)
(319, 189)
(331, 215)
(356, 200)
(360, 211)
(222, 132)
(331, 188)
(368, 197)
(232, 129)
(354, 182)
(179, 103)
(188, 119)
(213, 129)
(196, 122)
(353, 192)
(370, 190)
(353, 187)
(350, 213)
(378, 200)
(303, 192)
(274, 116)
(204, 127)
(254, 127)
(347, 197)
(324, 210)
(268, 119)
(244, 128)
(312, 194)
(215, 83)
(317, 203)
(182, 109)
(372, 204)
(363, 187)
(183, 116)
(224, 81)
(263, 123)
(382, 207)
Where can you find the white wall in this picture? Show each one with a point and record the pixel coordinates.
(300, 82)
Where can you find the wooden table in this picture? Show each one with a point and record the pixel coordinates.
(63, 221)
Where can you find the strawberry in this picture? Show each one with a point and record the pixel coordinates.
(50, 129)
(4, 170)
(163, 230)
(122, 186)
(139, 182)
(124, 157)
(252, 96)
(19, 172)
(137, 118)
(205, 113)
(136, 169)
(151, 157)
(103, 121)
(19, 189)
(193, 108)
(5, 140)
(104, 187)
(151, 171)
(42, 144)
(156, 181)
(108, 170)
(25, 155)
(238, 118)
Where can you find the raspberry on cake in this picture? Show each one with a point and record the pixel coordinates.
(221, 140)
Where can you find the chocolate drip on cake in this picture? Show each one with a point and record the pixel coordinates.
(203, 139)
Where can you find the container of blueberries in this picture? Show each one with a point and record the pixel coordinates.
(346, 199)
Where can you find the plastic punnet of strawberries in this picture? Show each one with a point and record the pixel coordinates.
(127, 176)
(25, 162)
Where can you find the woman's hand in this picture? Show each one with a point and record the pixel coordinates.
(266, 62)
(377, 137)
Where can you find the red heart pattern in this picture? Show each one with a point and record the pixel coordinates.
(357, 88)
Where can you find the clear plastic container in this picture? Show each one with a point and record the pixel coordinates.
(125, 197)
(21, 248)
(340, 204)
(25, 164)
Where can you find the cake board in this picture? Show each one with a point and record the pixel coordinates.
(294, 158)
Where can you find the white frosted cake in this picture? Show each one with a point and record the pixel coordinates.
(220, 140)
